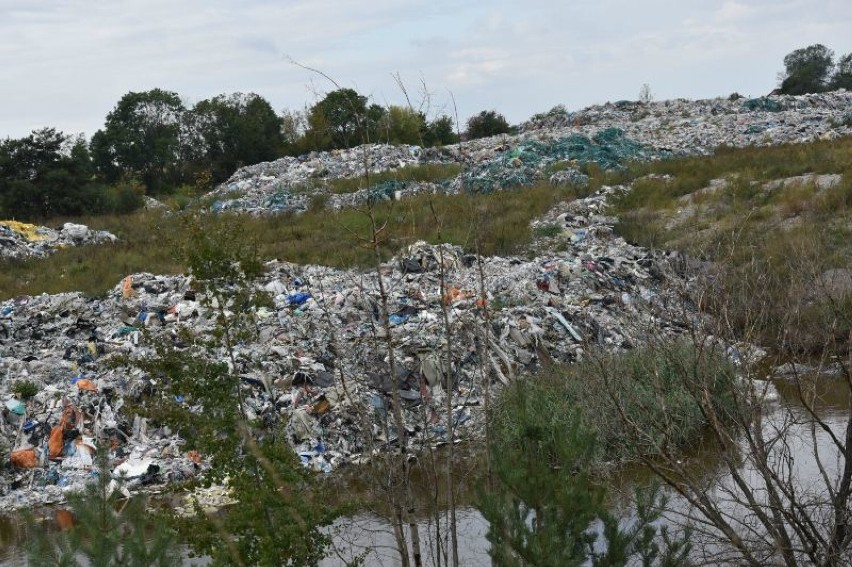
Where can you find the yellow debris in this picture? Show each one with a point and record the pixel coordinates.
(28, 231)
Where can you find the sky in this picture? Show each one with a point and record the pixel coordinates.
(66, 63)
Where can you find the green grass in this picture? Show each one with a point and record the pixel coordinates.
(548, 230)
(95, 269)
(149, 240)
(769, 246)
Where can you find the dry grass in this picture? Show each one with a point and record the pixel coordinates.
(743, 203)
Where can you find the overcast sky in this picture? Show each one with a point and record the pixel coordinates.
(65, 63)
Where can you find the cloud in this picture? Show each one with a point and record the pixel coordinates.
(67, 63)
(732, 11)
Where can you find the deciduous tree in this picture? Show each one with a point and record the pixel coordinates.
(141, 137)
(401, 125)
(486, 123)
(343, 119)
(842, 78)
(45, 174)
(807, 70)
(439, 132)
(235, 130)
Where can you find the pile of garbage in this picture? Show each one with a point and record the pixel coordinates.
(700, 126)
(22, 240)
(459, 325)
(61, 403)
(289, 183)
(555, 145)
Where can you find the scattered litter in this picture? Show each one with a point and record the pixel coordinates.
(320, 369)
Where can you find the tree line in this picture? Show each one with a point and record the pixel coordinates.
(153, 143)
(812, 69)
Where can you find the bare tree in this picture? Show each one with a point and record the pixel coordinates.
(776, 487)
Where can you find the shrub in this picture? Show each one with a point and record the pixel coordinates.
(487, 123)
(125, 197)
(547, 230)
(25, 389)
(654, 386)
(544, 500)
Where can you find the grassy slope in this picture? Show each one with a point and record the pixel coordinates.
(772, 247)
(148, 240)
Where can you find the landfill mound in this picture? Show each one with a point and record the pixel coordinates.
(504, 166)
(700, 126)
(460, 324)
(20, 240)
(288, 183)
(527, 162)
(606, 135)
(320, 367)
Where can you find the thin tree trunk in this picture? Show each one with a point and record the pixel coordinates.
(399, 421)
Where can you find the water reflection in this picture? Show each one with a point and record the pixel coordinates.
(13, 539)
(372, 536)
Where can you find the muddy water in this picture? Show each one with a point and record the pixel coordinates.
(370, 533)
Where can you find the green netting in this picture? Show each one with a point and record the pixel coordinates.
(385, 190)
(763, 103)
(281, 201)
(526, 163)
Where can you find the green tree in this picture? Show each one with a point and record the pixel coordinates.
(402, 125)
(543, 505)
(487, 123)
(440, 131)
(142, 137)
(46, 174)
(280, 513)
(342, 119)
(294, 125)
(842, 78)
(107, 530)
(235, 130)
(807, 70)
(374, 117)
(339, 116)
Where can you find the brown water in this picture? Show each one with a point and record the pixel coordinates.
(372, 534)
